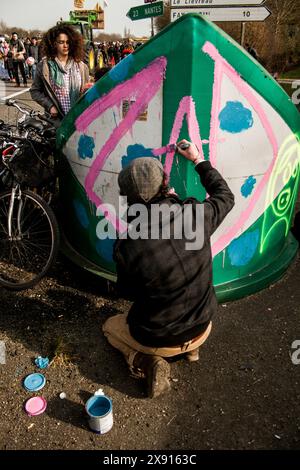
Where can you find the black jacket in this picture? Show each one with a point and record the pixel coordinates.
(34, 52)
(172, 288)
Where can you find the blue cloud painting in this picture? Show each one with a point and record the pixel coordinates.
(248, 186)
(235, 118)
(242, 250)
(81, 213)
(105, 249)
(135, 151)
(121, 70)
(86, 147)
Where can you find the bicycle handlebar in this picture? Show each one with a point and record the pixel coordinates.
(30, 113)
(5, 133)
(16, 105)
(11, 135)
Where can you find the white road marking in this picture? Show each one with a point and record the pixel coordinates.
(4, 98)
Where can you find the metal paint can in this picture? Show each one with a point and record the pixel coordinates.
(99, 409)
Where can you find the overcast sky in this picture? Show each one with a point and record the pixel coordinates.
(42, 14)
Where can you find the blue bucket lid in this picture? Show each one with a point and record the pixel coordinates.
(34, 382)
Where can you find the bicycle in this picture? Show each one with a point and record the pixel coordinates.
(29, 232)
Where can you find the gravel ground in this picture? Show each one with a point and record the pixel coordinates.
(242, 394)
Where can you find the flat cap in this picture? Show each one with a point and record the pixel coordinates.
(141, 179)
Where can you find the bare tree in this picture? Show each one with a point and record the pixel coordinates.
(277, 40)
(101, 37)
(162, 21)
(22, 33)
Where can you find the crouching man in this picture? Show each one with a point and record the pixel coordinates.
(168, 278)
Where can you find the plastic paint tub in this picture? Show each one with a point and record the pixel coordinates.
(34, 382)
(35, 406)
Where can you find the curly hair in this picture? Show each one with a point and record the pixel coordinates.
(76, 51)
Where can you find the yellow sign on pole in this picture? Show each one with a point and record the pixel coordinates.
(79, 3)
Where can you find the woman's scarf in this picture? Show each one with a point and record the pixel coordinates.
(57, 70)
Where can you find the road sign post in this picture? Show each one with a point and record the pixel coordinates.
(148, 10)
(243, 33)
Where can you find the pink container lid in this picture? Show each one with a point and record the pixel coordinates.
(35, 406)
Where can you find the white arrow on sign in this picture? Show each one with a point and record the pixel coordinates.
(213, 3)
(225, 14)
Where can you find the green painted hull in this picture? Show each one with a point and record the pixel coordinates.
(202, 86)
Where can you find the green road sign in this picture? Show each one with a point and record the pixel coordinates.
(146, 11)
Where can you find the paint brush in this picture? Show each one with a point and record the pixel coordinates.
(167, 149)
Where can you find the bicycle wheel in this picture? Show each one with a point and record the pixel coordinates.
(29, 253)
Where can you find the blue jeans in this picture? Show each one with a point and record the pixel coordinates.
(33, 71)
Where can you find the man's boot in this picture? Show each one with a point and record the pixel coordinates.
(157, 373)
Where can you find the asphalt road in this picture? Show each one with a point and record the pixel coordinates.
(8, 90)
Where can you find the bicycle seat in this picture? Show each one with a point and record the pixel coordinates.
(33, 123)
(50, 133)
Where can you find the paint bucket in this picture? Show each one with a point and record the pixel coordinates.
(99, 409)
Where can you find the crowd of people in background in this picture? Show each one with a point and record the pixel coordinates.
(19, 56)
(113, 52)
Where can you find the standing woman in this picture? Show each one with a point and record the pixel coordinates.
(61, 75)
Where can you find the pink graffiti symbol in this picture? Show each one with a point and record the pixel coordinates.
(223, 67)
(143, 86)
(186, 107)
